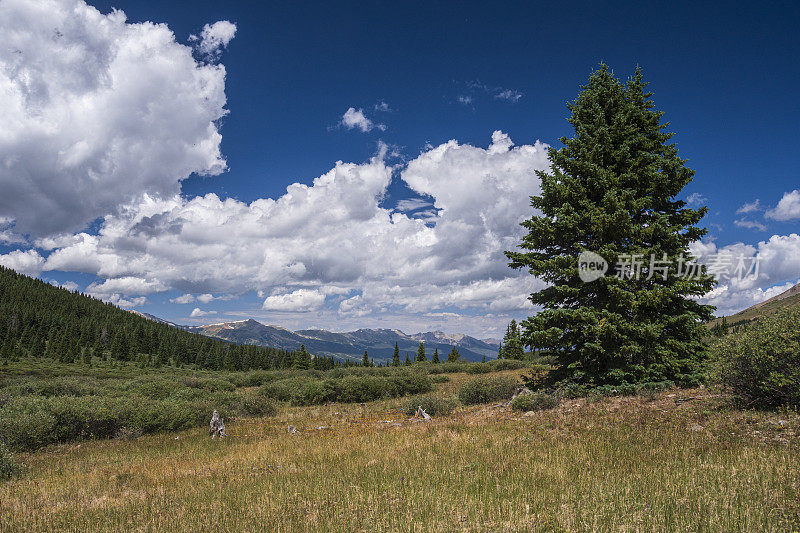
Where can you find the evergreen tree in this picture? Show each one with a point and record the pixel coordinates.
(365, 360)
(453, 356)
(500, 351)
(119, 346)
(435, 358)
(302, 359)
(612, 191)
(513, 343)
(484, 359)
(421, 353)
(396, 355)
(408, 359)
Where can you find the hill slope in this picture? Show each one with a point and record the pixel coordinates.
(40, 320)
(789, 298)
(379, 343)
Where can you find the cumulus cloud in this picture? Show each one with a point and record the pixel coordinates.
(354, 118)
(776, 268)
(299, 300)
(788, 207)
(25, 262)
(182, 299)
(97, 111)
(214, 38)
(331, 246)
(197, 312)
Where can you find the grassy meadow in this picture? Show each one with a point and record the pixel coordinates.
(678, 460)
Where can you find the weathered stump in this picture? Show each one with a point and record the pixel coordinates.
(217, 425)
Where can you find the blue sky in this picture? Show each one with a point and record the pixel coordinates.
(422, 74)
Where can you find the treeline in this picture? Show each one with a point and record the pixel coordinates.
(42, 321)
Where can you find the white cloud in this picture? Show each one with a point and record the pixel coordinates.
(332, 238)
(97, 111)
(412, 204)
(197, 312)
(788, 208)
(299, 300)
(183, 299)
(27, 262)
(696, 200)
(383, 107)
(751, 224)
(463, 99)
(749, 207)
(509, 94)
(125, 303)
(778, 266)
(355, 118)
(214, 38)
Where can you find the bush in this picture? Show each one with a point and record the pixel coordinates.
(440, 378)
(538, 401)
(760, 364)
(484, 390)
(255, 404)
(507, 364)
(433, 405)
(479, 368)
(8, 466)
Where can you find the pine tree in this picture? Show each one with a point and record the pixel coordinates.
(612, 190)
(408, 359)
(513, 343)
(421, 353)
(302, 359)
(484, 359)
(435, 358)
(500, 351)
(119, 346)
(453, 356)
(365, 360)
(396, 355)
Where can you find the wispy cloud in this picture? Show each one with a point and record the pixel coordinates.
(750, 224)
(696, 200)
(749, 207)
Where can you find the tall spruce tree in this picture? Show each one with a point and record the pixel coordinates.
(612, 190)
(396, 355)
(513, 348)
(365, 360)
(421, 353)
(435, 358)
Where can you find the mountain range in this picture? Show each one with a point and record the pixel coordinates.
(379, 343)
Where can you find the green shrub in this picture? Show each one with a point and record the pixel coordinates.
(479, 368)
(499, 365)
(8, 466)
(484, 390)
(433, 405)
(538, 401)
(26, 423)
(440, 378)
(760, 363)
(255, 404)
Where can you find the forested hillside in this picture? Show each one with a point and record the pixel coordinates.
(40, 320)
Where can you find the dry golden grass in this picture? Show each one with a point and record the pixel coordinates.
(616, 464)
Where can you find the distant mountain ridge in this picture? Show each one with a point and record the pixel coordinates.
(379, 343)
